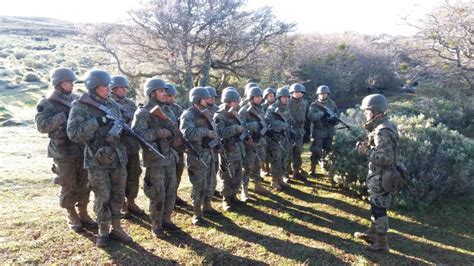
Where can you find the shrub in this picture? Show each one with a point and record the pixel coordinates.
(439, 160)
(31, 77)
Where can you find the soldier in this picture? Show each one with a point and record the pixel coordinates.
(232, 131)
(380, 148)
(323, 128)
(119, 87)
(160, 175)
(254, 118)
(198, 127)
(247, 88)
(211, 103)
(105, 156)
(279, 122)
(68, 157)
(298, 108)
(177, 111)
(268, 98)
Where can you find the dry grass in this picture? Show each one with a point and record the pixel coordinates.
(310, 224)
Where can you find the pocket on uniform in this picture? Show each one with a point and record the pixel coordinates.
(105, 155)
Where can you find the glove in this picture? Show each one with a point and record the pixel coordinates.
(103, 121)
(362, 148)
(211, 134)
(163, 133)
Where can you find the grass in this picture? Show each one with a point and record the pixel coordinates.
(312, 223)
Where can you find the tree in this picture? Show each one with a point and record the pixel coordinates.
(446, 42)
(189, 40)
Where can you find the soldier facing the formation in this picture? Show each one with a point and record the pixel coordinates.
(323, 128)
(119, 87)
(380, 148)
(51, 117)
(105, 155)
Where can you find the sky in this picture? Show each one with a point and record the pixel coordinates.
(318, 16)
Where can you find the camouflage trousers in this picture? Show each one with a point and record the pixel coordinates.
(160, 188)
(203, 179)
(253, 163)
(72, 178)
(179, 169)
(379, 201)
(231, 180)
(108, 186)
(134, 171)
(318, 146)
(279, 157)
(297, 150)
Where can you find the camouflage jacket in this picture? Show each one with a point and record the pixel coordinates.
(213, 108)
(279, 120)
(254, 119)
(382, 141)
(265, 106)
(195, 128)
(227, 126)
(321, 127)
(82, 127)
(128, 108)
(299, 110)
(51, 118)
(146, 125)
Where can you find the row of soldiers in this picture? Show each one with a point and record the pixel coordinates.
(95, 141)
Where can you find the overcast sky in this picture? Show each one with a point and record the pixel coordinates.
(321, 16)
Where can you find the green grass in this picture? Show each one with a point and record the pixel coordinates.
(312, 223)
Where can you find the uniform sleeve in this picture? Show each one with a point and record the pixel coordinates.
(273, 122)
(382, 154)
(314, 114)
(47, 121)
(245, 117)
(189, 129)
(140, 125)
(223, 130)
(80, 127)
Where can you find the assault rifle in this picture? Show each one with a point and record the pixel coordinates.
(331, 116)
(119, 124)
(158, 112)
(216, 142)
(287, 130)
(245, 135)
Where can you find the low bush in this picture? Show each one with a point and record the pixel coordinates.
(440, 160)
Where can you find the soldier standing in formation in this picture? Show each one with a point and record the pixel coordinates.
(119, 87)
(105, 156)
(177, 111)
(323, 127)
(51, 118)
(198, 127)
(380, 148)
(160, 175)
(231, 130)
(279, 122)
(254, 118)
(298, 108)
(268, 99)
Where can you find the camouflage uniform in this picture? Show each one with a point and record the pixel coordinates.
(195, 128)
(51, 118)
(279, 142)
(107, 178)
(227, 128)
(298, 109)
(178, 111)
(323, 130)
(382, 140)
(160, 175)
(128, 108)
